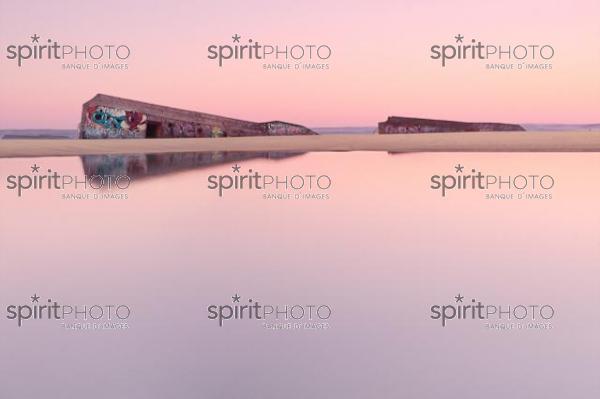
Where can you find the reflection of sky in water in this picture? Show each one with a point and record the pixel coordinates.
(380, 252)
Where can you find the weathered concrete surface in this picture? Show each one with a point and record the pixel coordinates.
(399, 124)
(114, 117)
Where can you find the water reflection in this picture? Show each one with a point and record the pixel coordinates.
(381, 251)
(148, 165)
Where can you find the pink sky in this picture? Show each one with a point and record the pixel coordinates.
(380, 64)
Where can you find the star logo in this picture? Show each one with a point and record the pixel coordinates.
(236, 168)
(35, 38)
(236, 38)
(35, 298)
(35, 168)
(459, 38)
(236, 298)
(459, 168)
(459, 298)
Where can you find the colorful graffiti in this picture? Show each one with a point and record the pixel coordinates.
(277, 128)
(216, 132)
(135, 119)
(112, 117)
(111, 122)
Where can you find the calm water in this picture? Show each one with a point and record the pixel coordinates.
(379, 247)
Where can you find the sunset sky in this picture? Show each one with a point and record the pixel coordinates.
(380, 65)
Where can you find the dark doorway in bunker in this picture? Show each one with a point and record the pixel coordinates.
(153, 130)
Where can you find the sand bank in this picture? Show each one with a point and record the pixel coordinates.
(423, 142)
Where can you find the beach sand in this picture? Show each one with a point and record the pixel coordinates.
(421, 142)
